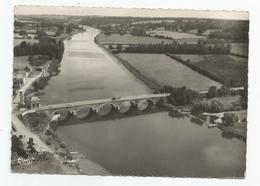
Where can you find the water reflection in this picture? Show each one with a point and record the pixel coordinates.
(157, 144)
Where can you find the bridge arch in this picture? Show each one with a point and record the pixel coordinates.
(125, 106)
(84, 112)
(145, 104)
(63, 114)
(107, 108)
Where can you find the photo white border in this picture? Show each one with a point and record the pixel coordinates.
(6, 55)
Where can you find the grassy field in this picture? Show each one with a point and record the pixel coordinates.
(167, 71)
(230, 69)
(178, 36)
(240, 48)
(130, 39)
(21, 62)
(194, 58)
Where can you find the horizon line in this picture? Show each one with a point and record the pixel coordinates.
(33, 10)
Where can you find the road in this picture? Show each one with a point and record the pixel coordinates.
(100, 101)
(19, 126)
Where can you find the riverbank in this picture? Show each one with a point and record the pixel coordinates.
(237, 129)
(150, 82)
(51, 150)
(52, 69)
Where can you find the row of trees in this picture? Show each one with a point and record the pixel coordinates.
(179, 48)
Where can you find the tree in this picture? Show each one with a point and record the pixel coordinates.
(110, 47)
(223, 91)
(23, 33)
(244, 97)
(229, 119)
(216, 106)
(212, 92)
(119, 48)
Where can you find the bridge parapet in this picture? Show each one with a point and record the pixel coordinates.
(96, 105)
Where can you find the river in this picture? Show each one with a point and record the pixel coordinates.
(144, 145)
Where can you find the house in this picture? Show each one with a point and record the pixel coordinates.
(203, 94)
(35, 102)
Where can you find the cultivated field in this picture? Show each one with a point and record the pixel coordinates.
(178, 36)
(230, 69)
(240, 48)
(130, 39)
(168, 71)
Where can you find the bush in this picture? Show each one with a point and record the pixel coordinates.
(229, 119)
(63, 145)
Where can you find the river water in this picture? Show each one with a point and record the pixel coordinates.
(144, 145)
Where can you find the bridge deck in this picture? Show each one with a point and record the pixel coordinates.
(99, 101)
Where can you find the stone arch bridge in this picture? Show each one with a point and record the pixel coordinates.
(103, 107)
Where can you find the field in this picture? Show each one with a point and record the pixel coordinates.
(230, 69)
(178, 36)
(129, 39)
(240, 48)
(167, 71)
(21, 62)
(18, 41)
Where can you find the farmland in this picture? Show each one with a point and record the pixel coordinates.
(232, 71)
(21, 62)
(167, 71)
(129, 39)
(178, 36)
(240, 48)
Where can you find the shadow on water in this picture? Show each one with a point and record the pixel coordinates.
(114, 115)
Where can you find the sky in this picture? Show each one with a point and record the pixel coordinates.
(138, 12)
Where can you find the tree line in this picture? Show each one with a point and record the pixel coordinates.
(179, 48)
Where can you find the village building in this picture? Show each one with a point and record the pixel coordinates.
(35, 102)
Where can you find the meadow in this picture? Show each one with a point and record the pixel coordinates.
(240, 48)
(168, 71)
(129, 39)
(231, 70)
(180, 37)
